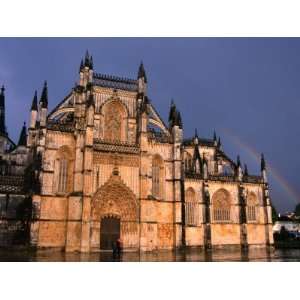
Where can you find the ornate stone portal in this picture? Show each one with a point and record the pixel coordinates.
(115, 199)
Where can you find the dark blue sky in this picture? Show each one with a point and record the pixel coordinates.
(247, 89)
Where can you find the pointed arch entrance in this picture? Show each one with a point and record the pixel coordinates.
(109, 231)
(114, 214)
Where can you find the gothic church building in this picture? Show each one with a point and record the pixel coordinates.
(103, 165)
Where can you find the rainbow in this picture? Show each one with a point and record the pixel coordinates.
(271, 170)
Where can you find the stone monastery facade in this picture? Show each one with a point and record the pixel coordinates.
(103, 165)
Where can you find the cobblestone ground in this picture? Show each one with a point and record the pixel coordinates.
(190, 255)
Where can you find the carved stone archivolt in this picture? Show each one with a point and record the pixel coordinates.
(114, 198)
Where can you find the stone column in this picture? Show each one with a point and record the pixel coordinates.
(178, 188)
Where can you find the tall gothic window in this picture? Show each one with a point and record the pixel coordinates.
(158, 177)
(63, 170)
(114, 120)
(191, 208)
(252, 207)
(62, 175)
(221, 206)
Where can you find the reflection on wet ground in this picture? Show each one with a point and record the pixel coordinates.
(188, 255)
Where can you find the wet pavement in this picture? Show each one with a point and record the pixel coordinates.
(188, 255)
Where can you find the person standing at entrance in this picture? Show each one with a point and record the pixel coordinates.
(119, 246)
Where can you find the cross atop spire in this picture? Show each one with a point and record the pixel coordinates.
(142, 72)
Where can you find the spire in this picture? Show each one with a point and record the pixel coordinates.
(172, 112)
(219, 143)
(215, 136)
(196, 139)
(263, 169)
(197, 162)
(91, 63)
(142, 73)
(238, 161)
(87, 59)
(178, 120)
(174, 116)
(2, 96)
(262, 163)
(23, 136)
(44, 96)
(34, 102)
(2, 111)
(81, 66)
(245, 170)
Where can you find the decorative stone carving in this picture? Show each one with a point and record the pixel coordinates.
(115, 198)
(120, 160)
(114, 115)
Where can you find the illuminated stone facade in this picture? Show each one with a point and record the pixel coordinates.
(104, 152)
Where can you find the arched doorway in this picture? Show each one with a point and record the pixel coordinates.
(115, 202)
(109, 232)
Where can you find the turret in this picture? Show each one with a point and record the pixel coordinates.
(142, 79)
(2, 112)
(23, 136)
(44, 105)
(33, 111)
(86, 70)
(263, 169)
(239, 171)
(215, 139)
(174, 117)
